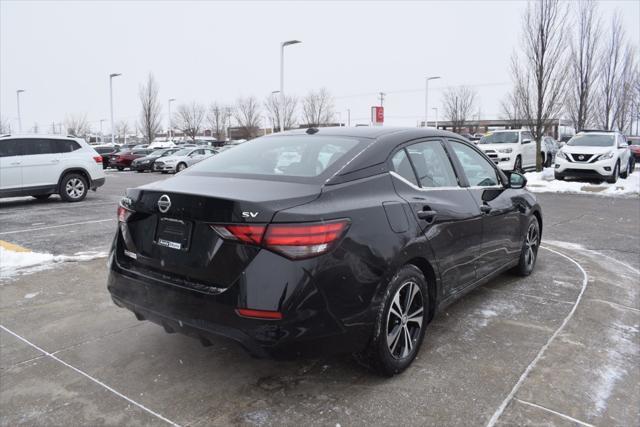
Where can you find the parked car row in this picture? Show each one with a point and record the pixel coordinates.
(163, 160)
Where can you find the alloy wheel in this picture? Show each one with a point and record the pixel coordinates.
(531, 245)
(74, 188)
(404, 320)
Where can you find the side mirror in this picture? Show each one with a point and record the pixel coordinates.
(517, 180)
(526, 141)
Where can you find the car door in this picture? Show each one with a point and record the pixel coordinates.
(529, 149)
(10, 165)
(445, 212)
(195, 156)
(40, 163)
(501, 238)
(623, 152)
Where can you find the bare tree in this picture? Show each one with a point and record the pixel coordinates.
(459, 103)
(122, 129)
(4, 126)
(317, 108)
(625, 94)
(276, 108)
(149, 123)
(539, 74)
(610, 69)
(217, 118)
(77, 125)
(583, 66)
(511, 110)
(189, 119)
(247, 114)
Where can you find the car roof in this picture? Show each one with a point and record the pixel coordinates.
(40, 135)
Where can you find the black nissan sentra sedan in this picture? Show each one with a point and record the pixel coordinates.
(320, 241)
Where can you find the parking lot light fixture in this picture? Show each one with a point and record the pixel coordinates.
(111, 76)
(282, 98)
(426, 98)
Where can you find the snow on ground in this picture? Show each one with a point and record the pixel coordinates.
(13, 263)
(544, 182)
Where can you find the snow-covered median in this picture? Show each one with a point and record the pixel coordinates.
(13, 263)
(544, 182)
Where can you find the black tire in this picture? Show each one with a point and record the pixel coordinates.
(180, 167)
(42, 196)
(73, 188)
(530, 245)
(627, 170)
(517, 166)
(391, 358)
(558, 176)
(543, 160)
(614, 176)
(120, 168)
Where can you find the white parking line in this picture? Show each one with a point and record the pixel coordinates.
(100, 383)
(56, 226)
(565, 416)
(525, 374)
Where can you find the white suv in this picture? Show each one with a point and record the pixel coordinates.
(39, 166)
(594, 154)
(510, 149)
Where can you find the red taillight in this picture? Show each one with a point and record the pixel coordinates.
(124, 213)
(296, 241)
(259, 314)
(98, 159)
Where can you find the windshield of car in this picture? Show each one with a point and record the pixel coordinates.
(500, 138)
(591, 140)
(291, 156)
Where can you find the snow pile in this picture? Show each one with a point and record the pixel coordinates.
(544, 182)
(13, 263)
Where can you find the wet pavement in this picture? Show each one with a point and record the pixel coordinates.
(561, 347)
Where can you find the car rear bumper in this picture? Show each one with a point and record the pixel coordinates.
(308, 330)
(98, 182)
(142, 167)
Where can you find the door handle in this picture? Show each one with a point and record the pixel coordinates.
(14, 163)
(55, 161)
(485, 209)
(427, 214)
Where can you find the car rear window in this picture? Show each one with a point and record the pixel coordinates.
(281, 156)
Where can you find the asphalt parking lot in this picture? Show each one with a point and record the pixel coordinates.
(561, 347)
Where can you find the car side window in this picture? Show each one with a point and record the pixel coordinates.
(37, 146)
(65, 145)
(9, 147)
(432, 165)
(479, 171)
(401, 165)
(526, 135)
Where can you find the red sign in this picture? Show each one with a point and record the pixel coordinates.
(377, 115)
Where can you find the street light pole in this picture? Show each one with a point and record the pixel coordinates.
(101, 120)
(436, 110)
(426, 99)
(111, 76)
(282, 98)
(18, 92)
(169, 126)
(349, 117)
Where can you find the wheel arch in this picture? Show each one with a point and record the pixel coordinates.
(78, 170)
(432, 283)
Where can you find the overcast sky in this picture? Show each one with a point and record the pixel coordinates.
(61, 53)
